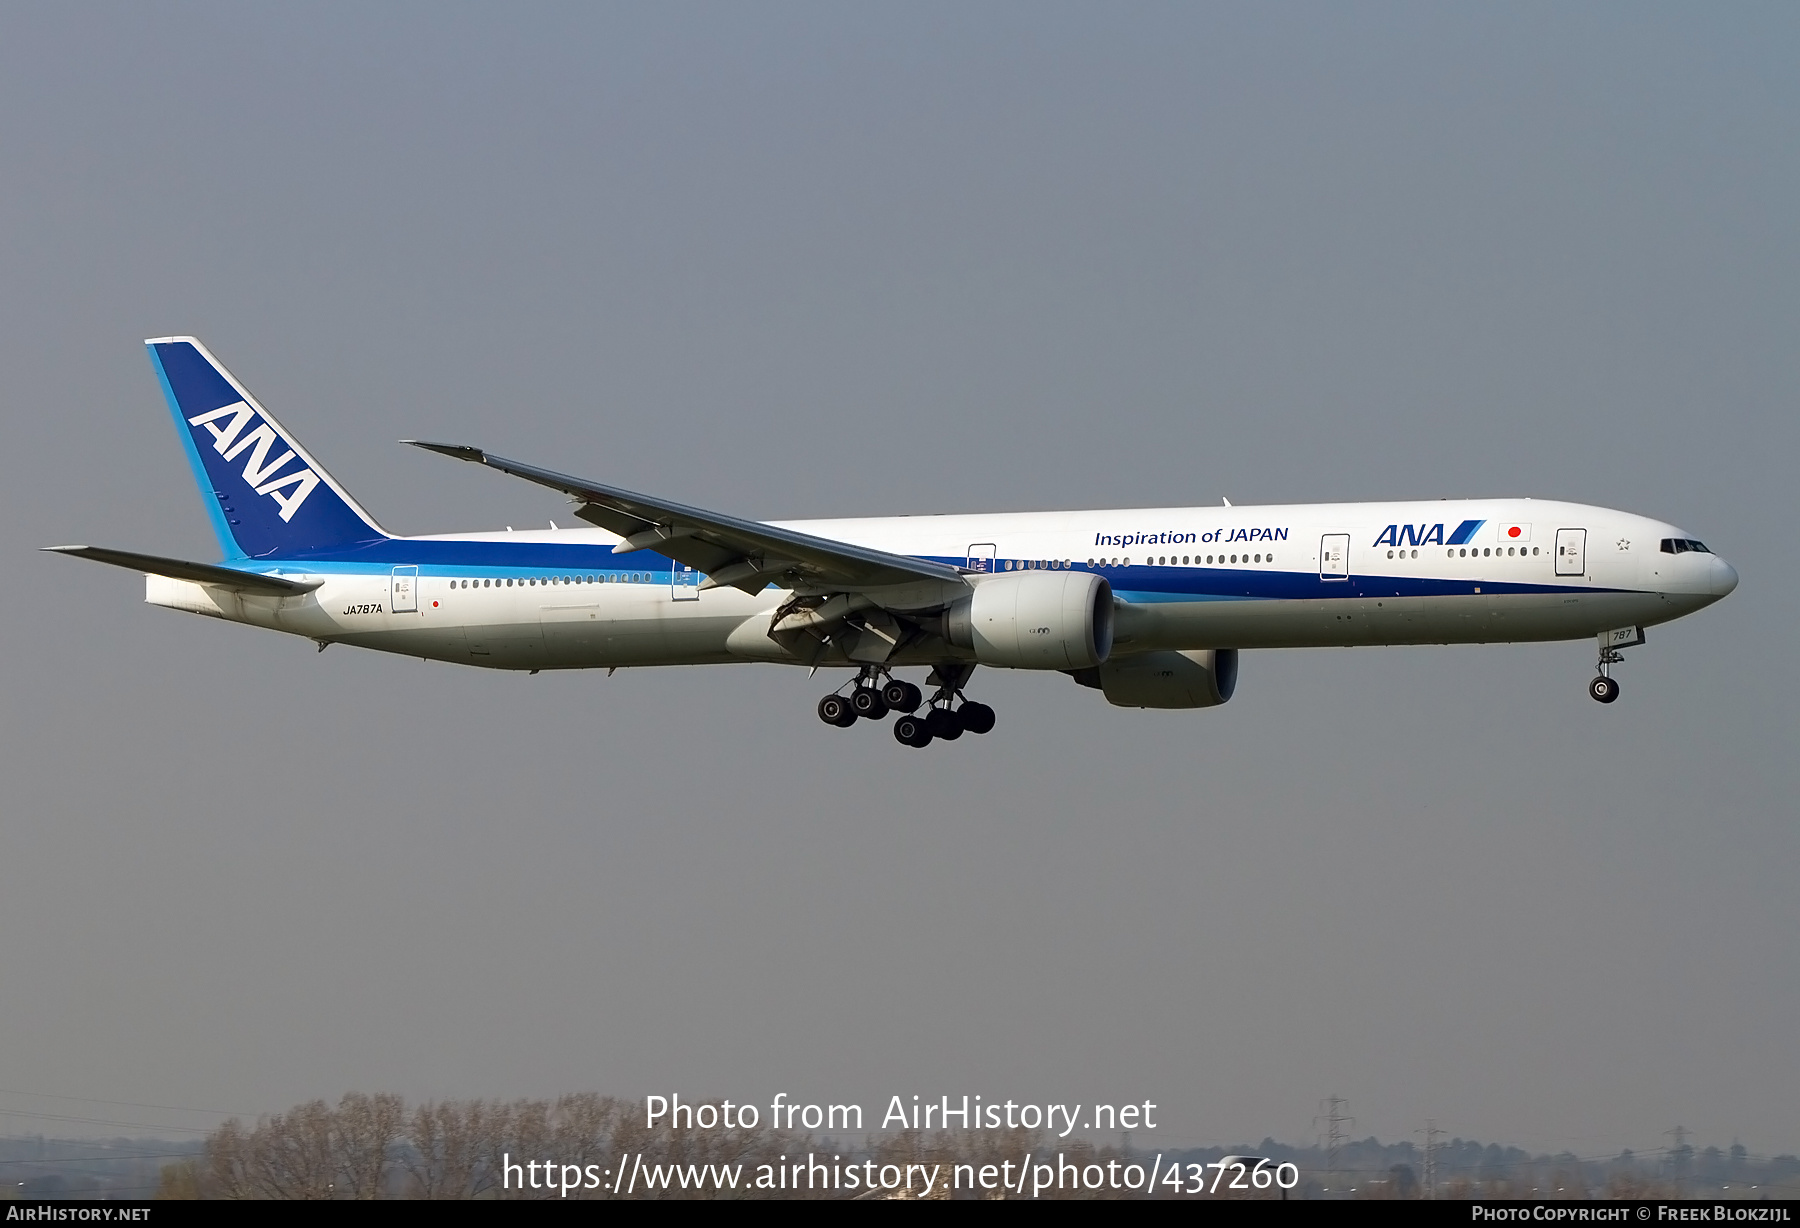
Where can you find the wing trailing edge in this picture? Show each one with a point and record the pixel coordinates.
(730, 551)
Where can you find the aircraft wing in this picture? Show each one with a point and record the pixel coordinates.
(745, 554)
(199, 573)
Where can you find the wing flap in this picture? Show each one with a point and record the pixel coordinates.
(200, 573)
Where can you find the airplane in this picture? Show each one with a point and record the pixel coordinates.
(1149, 606)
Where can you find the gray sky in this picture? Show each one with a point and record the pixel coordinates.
(809, 261)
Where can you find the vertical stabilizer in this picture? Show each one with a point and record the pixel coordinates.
(267, 496)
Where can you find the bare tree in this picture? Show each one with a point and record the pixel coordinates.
(365, 1128)
(291, 1154)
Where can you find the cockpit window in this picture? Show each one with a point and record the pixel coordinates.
(1682, 545)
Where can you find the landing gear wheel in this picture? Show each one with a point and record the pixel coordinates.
(976, 718)
(943, 724)
(911, 731)
(1603, 689)
(836, 710)
(867, 703)
(901, 696)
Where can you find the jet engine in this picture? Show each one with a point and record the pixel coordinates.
(1036, 620)
(1202, 679)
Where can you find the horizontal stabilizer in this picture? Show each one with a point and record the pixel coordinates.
(199, 573)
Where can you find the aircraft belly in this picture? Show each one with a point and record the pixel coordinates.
(580, 637)
(1218, 624)
(1355, 620)
(437, 643)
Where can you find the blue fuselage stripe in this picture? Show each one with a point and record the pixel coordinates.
(1139, 583)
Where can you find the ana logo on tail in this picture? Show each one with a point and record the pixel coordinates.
(231, 442)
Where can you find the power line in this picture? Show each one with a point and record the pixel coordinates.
(129, 1155)
(105, 1121)
(130, 1104)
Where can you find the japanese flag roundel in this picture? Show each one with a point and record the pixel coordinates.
(1515, 532)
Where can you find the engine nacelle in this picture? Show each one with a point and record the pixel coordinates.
(1168, 679)
(1036, 620)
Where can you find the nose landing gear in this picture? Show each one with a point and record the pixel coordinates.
(1605, 688)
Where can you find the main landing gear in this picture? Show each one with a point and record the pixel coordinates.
(873, 696)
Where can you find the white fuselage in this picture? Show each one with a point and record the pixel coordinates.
(1183, 578)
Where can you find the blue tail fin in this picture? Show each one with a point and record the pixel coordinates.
(266, 495)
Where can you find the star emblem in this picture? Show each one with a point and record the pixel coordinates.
(1624, 543)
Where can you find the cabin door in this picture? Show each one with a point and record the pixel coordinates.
(1334, 556)
(1571, 552)
(403, 591)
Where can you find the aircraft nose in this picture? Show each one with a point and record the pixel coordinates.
(1724, 577)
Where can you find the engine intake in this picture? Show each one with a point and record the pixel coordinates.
(1036, 620)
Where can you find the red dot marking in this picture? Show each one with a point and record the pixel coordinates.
(1513, 532)
(434, 605)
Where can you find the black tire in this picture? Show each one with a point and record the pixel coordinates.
(976, 718)
(867, 703)
(1604, 689)
(836, 710)
(901, 696)
(943, 724)
(911, 731)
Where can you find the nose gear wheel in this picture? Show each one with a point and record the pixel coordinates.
(1605, 687)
